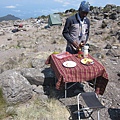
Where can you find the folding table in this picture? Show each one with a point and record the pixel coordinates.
(79, 73)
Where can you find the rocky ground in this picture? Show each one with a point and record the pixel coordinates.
(34, 41)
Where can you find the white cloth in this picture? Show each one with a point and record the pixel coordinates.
(83, 27)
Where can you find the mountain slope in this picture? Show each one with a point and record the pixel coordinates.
(8, 17)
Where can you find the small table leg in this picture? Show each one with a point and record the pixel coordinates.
(65, 89)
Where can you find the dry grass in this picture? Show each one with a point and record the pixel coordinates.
(2, 106)
(37, 109)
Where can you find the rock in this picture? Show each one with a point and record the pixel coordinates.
(112, 52)
(38, 77)
(98, 18)
(9, 38)
(33, 87)
(118, 9)
(11, 110)
(93, 48)
(98, 32)
(39, 90)
(43, 97)
(34, 76)
(38, 63)
(15, 87)
(114, 47)
(108, 46)
(2, 33)
(106, 15)
(104, 24)
(113, 16)
(118, 74)
(98, 55)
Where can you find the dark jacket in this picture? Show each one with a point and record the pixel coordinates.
(73, 31)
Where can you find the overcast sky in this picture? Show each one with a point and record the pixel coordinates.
(33, 8)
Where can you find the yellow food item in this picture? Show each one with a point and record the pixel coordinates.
(87, 61)
(55, 52)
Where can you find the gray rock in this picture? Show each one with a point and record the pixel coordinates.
(34, 76)
(108, 46)
(43, 97)
(104, 24)
(39, 90)
(99, 32)
(38, 77)
(98, 18)
(11, 110)
(112, 52)
(106, 15)
(118, 9)
(118, 74)
(98, 55)
(38, 63)
(15, 87)
(113, 16)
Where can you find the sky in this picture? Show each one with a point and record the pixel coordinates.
(25, 9)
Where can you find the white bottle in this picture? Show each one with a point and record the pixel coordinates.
(86, 47)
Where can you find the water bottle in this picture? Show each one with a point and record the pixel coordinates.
(86, 47)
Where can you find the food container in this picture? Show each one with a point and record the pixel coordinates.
(86, 47)
(80, 53)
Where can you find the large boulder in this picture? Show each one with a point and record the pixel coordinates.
(15, 87)
(38, 76)
(34, 76)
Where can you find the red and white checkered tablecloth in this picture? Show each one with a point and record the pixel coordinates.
(79, 73)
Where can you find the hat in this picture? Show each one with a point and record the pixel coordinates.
(84, 6)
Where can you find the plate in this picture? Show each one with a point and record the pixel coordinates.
(87, 61)
(69, 64)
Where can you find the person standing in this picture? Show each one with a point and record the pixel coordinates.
(76, 29)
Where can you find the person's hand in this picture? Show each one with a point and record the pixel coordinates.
(76, 45)
(81, 44)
